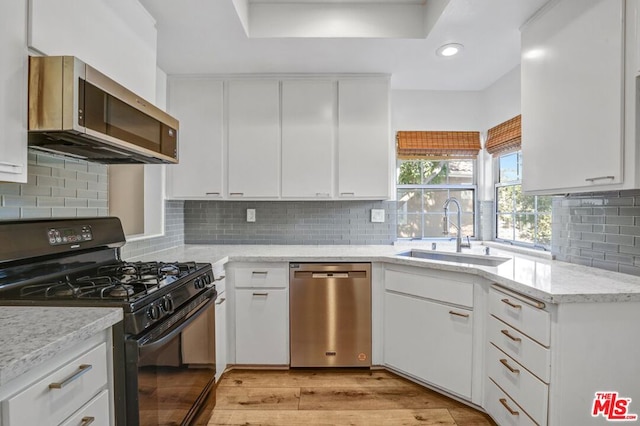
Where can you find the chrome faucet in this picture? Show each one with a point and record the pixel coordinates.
(445, 224)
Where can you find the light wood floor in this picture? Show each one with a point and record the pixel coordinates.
(333, 397)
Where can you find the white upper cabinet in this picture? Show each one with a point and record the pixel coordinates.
(254, 138)
(198, 104)
(13, 92)
(573, 95)
(308, 138)
(364, 140)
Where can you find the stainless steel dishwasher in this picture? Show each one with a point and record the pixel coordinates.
(330, 314)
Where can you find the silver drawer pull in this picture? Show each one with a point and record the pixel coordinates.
(221, 301)
(458, 314)
(506, 333)
(236, 194)
(262, 294)
(510, 303)
(86, 421)
(511, 411)
(322, 194)
(259, 273)
(593, 179)
(84, 368)
(217, 194)
(347, 194)
(510, 368)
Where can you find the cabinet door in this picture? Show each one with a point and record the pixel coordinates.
(197, 103)
(308, 109)
(221, 335)
(262, 326)
(572, 97)
(254, 138)
(363, 138)
(13, 92)
(430, 341)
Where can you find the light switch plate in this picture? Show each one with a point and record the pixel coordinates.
(377, 215)
(251, 215)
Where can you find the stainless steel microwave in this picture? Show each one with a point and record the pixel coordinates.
(75, 110)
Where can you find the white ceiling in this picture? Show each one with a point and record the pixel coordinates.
(207, 37)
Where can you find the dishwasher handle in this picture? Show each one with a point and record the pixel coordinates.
(330, 275)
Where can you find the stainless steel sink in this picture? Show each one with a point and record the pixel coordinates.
(483, 260)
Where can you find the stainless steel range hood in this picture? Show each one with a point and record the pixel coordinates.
(75, 110)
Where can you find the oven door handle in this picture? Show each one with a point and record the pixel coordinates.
(145, 347)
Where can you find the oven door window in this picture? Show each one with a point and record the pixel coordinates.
(175, 376)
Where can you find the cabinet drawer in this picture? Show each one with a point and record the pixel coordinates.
(94, 413)
(502, 408)
(533, 356)
(523, 387)
(515, 311)
(261, 275)
(436, 287)
(77, 385)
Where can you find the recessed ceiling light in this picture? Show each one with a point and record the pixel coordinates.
(449, 49)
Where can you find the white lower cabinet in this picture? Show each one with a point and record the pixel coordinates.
(74, 388)
(221, 334)
(429, 339)
(260, 294)
(502, 408)
(92, 413)
(262, 326)
(518, 357)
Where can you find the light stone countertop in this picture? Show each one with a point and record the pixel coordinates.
(31, 335)
(539, 277)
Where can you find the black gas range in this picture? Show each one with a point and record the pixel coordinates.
(167, 336)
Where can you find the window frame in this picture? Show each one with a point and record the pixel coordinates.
(450, 187)
(497, 185)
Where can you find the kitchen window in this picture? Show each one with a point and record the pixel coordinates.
(521, 219)
(423, 185)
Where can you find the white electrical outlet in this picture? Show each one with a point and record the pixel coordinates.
(377, 215)
(251, 215)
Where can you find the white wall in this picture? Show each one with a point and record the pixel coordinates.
(501, 100)
(435, 110)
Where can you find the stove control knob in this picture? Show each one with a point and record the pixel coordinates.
(153, 312)
(207, 279)
(198, 283)
(167, 304)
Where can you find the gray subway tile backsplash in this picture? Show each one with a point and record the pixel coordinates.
(288, 222)
(600, 230)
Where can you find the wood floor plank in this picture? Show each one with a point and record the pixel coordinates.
(467, 416)
(347, 417)
(367, 398)
(246, 398)
(313, 378)
(334, 397)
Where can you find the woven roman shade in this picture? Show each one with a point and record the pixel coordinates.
(505, 137)
(434, 145)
